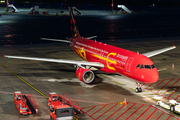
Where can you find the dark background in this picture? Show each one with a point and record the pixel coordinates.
(107, 2)
(147, 21)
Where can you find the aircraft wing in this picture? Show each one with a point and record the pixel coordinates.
(156, 52)
(94, 64)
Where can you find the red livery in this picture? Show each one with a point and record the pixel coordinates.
(107, 58)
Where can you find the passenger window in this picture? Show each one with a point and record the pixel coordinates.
(142, 66)
(147, 66)
(152, 66)
(138, 65)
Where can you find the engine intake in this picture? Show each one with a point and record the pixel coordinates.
(85, 75)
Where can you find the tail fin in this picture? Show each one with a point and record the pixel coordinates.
(74, 28)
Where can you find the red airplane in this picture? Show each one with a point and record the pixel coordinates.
(106, 58)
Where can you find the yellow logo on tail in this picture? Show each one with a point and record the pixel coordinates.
(81, 52)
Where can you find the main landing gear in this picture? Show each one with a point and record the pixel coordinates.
(138, 89)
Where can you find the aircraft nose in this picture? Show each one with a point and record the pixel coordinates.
(155, 77)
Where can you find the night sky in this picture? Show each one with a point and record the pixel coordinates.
(107, 2)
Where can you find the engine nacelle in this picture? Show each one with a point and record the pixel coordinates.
(85, 75)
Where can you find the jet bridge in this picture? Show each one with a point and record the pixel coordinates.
(123, 7)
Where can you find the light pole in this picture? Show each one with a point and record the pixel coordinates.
(112, 5)
(7, 6)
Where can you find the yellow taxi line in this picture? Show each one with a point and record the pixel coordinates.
(23, 80)
(153, 98)
(117, 82)
(76, 118)
(103, 76)
(27, 83)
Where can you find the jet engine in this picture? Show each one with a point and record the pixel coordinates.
(85, 75)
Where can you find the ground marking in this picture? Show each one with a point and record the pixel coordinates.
(23, 80)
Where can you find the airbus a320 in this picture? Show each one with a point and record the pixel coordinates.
(106, 58)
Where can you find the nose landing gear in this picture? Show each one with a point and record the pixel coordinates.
(138, 89)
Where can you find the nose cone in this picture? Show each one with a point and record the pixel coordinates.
(154, 76)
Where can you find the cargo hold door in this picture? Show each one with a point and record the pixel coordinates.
(128, 64)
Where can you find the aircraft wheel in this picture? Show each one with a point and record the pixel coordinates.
(158, 103)
(140, 89)
(172, 108)
(137, 90)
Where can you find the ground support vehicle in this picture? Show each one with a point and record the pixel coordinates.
(164, 105)
(173, 106)
(62, 107)
(25, 104)
(34, 10)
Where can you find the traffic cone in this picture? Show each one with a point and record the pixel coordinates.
(125, 101)
(172, 65)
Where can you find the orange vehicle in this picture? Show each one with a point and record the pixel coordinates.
(62, 107)
(25, 104)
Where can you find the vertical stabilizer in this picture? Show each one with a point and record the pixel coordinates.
(74, 29)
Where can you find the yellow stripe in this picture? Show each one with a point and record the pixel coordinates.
(75, 118)
(23, 80)
(156, 93)
(59, 56)
(117, 82)
(106, 59)
(158, 89)
(103, 76)
(153, 98)
(132, 89)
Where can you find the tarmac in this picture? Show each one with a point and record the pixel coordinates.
(45, 77)
(101, 100)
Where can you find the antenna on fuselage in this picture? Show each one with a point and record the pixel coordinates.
(138, 52)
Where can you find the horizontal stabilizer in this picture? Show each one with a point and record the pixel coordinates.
(56, 40)
(91, 37)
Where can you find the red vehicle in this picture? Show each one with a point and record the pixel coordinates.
(25, 104)
(62, 107)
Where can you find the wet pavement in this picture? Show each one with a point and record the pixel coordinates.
(20, 35)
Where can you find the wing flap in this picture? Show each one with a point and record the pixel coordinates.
(94, 64)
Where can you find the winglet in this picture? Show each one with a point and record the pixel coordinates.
(173, 45)
(3, 55)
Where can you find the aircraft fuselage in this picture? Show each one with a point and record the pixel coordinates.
(116, 60)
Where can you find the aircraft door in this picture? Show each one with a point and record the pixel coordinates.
(128, 64)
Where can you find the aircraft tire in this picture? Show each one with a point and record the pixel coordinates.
(158, 103)
(137, 90)
(172, 107)
(140, 89)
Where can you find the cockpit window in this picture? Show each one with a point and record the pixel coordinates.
(142, 66)
(147, 66)
(152, 66)
(138, 65)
